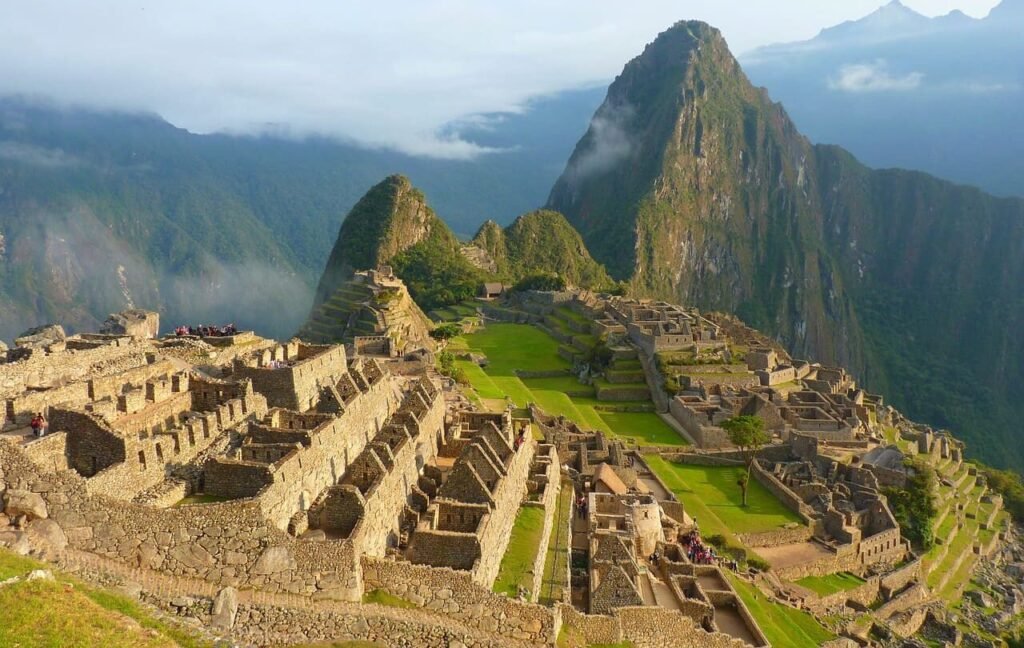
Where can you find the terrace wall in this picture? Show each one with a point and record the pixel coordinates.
(228, 544)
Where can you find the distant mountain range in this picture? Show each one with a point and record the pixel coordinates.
(102, 210)
(695, 187)
(899, 89)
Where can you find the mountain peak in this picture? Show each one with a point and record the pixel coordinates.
(390, 218)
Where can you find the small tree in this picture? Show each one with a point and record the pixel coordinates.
(746, 433)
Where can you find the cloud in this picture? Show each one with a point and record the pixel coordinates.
(873, 77)
(36, 155)
(385, 74)
(608, 141)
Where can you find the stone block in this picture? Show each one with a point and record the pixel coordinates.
(273, 561)
(20, 502)
(48, 532)
(225, 608)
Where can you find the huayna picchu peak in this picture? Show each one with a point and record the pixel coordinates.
(694, 186)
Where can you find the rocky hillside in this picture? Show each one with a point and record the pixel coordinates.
(393, 224)
(695, 186)
(541, 241)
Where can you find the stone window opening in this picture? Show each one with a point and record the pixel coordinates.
(142, 459)
(177, 446)
(159, 453)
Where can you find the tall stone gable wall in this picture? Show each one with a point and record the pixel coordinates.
(296, 387)
(497, 529)
(386, 501)
(305, 474)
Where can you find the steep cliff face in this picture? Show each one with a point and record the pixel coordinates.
(693, 185)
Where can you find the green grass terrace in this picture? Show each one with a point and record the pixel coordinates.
(519, 347)
(830, 584)
(783, 625)
(711, 494)
(517, 563)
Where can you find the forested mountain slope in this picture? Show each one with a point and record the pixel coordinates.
(695, 186)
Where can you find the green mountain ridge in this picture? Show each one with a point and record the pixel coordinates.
(393, 225)
(694, 186)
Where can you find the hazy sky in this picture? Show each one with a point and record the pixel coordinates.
(385, 73)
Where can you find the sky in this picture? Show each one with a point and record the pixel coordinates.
(385, 74)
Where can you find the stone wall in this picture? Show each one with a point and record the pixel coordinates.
(897, 579)
(785, 495)
(228, 543)
(386, 499)
(295, 386)
(456, 594)
(49, 452)
(497, 529)
(549, 502)
(295, 481)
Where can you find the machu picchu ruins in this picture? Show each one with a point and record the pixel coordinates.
(307, 482)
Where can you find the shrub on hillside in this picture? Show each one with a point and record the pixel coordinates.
(914, 505)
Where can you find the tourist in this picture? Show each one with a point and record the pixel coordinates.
(39, 425)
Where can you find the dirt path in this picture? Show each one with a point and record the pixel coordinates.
(797, 553)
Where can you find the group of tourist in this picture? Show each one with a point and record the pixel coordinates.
(581, 506)
(697, 551)
(207, 330)
(39, 425)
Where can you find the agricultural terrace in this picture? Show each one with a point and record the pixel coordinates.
(711, 494)
(830, 584)
(783, 625)
(517, 564)
(512, 348)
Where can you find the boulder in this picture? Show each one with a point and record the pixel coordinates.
(48, 532)
(273, 561)
(21, 502)
(225, 608)
(50, 336)
(137, 323)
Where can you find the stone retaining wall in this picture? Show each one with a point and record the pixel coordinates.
(228, 544)
(49, 452)
(455, 594)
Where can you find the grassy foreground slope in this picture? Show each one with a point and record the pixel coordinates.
(66, 612)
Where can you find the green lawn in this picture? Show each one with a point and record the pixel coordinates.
(825, 585)
(554, 580)
(520, 347)
(783, 625)
(521, 552)
(710, 493)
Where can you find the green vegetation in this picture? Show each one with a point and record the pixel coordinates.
(709, 493)
(746, 433)
(68, 612)
(1011, 486)
(435, 272)
(543, 247)
(380, 597)
(783, 625)
(518, 347)
(445, 331)
(516, 569)
(541, 281)
(825, 585)
(914, 506)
